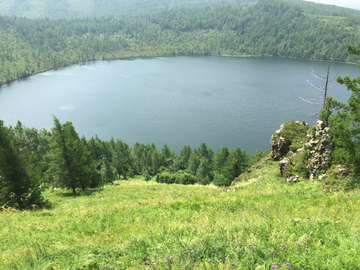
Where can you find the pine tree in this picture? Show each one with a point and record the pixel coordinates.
(106, 171)
(17, 189)
(345, 123)
(203, 172)
(71, 164)
(193, 162)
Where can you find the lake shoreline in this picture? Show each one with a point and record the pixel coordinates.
(168, 55)
(177, 100)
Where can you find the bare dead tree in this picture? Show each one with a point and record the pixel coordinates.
(325, 79)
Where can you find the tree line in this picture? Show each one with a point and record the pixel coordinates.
(267, 28)
(32, 160)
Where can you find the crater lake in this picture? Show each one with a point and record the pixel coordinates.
(184, 100)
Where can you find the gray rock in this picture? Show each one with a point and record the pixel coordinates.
(294, 179)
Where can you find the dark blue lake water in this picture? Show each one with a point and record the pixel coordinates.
(222, 101)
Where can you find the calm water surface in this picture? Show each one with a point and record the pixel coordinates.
(221, 101)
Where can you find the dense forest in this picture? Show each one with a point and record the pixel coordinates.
(266, 28)
(32, 160)
(56, 9)
(60, 9)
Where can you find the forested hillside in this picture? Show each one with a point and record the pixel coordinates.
(56, 9)
(268, 28)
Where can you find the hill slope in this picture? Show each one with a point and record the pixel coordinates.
(56, 9)
(268, 28)
(142, 225)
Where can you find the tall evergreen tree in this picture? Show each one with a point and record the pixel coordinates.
(71, 164)
(106, 172)
(345, 123)
(193, 163)
(203, 172)
(220, 158)
(17, 189)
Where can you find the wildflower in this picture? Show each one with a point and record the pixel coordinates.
(308, 217)
(298, 244)
(307, 239)
(233, 264)
(273, 265)
(283, 245)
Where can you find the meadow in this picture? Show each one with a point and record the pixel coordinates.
(261, 223)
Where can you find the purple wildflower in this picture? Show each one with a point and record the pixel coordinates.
(298, 244)
(307, 239)
(273, 265)
(308, 217)
(283, 245)
(233, 264)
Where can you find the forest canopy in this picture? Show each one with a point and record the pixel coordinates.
(267, 28)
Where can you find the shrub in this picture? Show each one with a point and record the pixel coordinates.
(298, 165)
(222, 181)
(293, 132)
(165, 178)
(184, 178)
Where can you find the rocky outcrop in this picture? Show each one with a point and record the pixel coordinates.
(294, 178)
(282, 165)
(279, 146)
(321, 148)
(341, 171)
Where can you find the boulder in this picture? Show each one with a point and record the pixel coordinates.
(293, 178)
(280, 148)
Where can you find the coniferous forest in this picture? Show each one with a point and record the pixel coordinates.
(68, 202)
(237, 28)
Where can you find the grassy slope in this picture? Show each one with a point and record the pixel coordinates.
(140, 225)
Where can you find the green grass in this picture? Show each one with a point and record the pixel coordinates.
(144, 225)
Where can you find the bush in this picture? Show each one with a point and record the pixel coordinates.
(222, 181)
(184, 178)
(298, 165)
(334, 181)
(165, 178)
(206, 180)
(293, 132)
